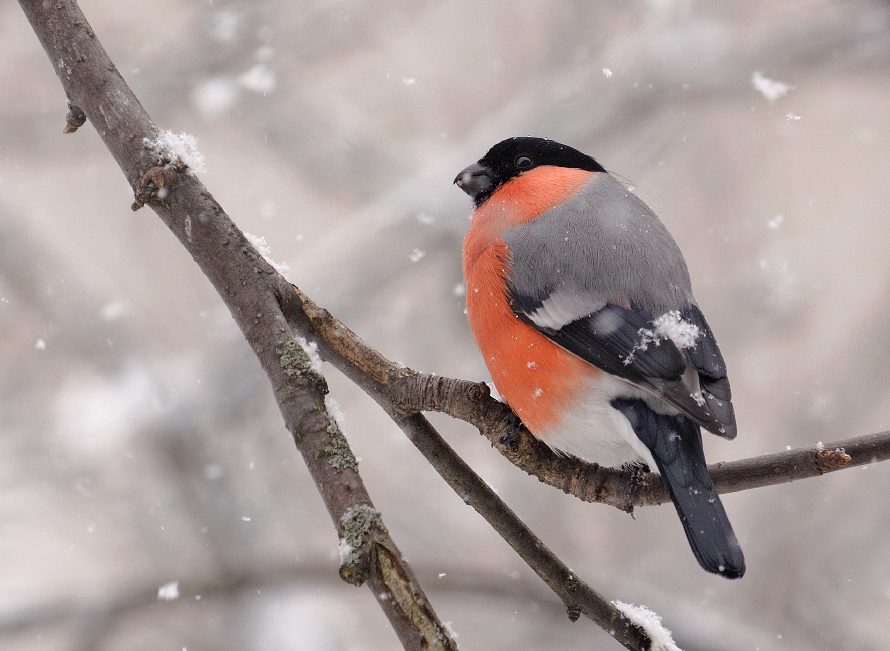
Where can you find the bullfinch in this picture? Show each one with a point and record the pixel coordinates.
(581, 304)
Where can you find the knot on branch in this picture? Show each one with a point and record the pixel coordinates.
(828, 460)
(573, 586)
(358, 527)
(75, 119)
(151, 184)
(363, 550)
(168, 154)
(479, 391)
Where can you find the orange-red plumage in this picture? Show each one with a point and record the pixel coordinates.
(521, 200)
(537, 378)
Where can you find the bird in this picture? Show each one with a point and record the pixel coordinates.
(581, 304)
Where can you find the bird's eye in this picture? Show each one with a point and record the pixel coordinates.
(523, 162)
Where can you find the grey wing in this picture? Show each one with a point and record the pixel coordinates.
(594, 274)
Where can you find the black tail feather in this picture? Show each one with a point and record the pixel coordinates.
(675, 444)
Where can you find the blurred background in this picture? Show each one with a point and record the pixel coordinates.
(141, 451)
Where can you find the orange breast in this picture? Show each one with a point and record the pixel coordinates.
(537, 378)
(521, 200)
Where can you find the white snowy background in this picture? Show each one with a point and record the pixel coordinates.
(150, 497)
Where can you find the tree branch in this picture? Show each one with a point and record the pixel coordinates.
(247, 285)
(382, 379)
(578, 597)
(472, 402)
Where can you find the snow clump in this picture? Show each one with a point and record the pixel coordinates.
(259, 243)
(662, 639)
(182, 148)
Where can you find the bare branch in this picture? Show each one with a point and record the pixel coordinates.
(800, 463)
(247, 285)
(472, 402)
(382, 380)
(578, 597)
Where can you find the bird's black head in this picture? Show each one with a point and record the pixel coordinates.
(514, 156)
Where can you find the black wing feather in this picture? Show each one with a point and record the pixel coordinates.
(620, 341)
(708, 361)
(611, 339)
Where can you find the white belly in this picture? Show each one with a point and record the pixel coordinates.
(595, 431)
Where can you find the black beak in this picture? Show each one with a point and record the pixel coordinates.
(475, 180)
